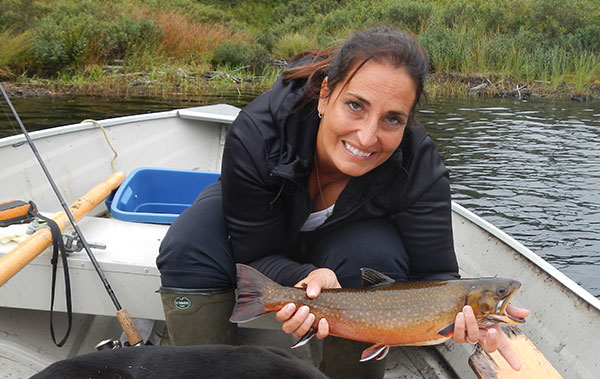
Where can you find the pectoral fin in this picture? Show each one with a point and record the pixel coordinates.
(305, 338)
(447, 331)
(376, 351)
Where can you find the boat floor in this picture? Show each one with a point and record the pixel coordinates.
(26, 348)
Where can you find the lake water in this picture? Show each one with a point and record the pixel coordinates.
(532, 168)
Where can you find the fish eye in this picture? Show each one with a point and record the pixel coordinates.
(501, 291)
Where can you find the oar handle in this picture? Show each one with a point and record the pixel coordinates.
(33, 246)
(133, 336)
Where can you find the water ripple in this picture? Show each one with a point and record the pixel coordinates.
(532, 169)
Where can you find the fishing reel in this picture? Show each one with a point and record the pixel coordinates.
(109, 344)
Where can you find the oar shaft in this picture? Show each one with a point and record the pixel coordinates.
(20, 256)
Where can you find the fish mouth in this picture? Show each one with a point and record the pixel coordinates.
(500, 314)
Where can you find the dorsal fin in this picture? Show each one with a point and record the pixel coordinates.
(373, 278)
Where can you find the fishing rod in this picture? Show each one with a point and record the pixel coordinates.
(127, 324)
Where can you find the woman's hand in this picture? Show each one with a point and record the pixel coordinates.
(491, 338)
(298, 322)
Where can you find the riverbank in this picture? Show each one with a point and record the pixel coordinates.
(216, 83)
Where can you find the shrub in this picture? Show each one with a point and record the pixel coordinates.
(195, 10)
(120, 37)
(58, 44)
(234, 54)
(292, 44)
(411, 15)
(19, 15)
(61, 37)
(586, 38)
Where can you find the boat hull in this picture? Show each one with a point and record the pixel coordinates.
(565, 318)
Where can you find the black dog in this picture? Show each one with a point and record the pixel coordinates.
(207, 361)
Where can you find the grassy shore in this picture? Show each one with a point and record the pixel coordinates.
(182, 48)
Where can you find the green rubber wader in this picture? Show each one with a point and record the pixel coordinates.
(199, 317)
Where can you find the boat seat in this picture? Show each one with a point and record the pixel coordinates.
(128, 263)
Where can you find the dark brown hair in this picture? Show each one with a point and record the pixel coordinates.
(340, 63)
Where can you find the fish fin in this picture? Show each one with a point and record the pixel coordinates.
(372, 278)
(377, 351)
(305, 338)
(447, 331)
(249, 304)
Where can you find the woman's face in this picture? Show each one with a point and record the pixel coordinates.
(364, 119)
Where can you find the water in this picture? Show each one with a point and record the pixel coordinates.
(43, 112)
(530, 168)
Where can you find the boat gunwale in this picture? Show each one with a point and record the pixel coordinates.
(71, 128)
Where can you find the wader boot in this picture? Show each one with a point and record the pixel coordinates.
(341, 360)
(199, 316)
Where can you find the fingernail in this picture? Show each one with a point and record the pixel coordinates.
(311, 317)
(311, 292)
(290, 307)
(303, 310)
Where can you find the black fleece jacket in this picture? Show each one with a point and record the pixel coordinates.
(267, 160)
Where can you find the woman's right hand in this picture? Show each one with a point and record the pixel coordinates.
(298, 322)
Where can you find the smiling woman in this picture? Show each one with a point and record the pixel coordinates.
(363, 121)
(337, 130)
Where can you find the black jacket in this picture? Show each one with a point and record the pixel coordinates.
(267, 160)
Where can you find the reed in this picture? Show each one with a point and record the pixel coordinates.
(15, 52)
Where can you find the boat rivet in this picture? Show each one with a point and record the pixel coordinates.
(146, 270)
(83, 265)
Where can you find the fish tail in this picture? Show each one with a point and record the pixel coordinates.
(250, 302)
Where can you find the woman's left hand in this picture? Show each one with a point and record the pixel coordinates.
(491, 338)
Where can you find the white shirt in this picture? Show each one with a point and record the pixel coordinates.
(316, 218)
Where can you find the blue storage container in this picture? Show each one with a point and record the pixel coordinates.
(156, 195)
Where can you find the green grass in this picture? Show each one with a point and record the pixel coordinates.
(552, 43)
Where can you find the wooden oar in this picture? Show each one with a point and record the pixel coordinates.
(33, 246)
(533, 362)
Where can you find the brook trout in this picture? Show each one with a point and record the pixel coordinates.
(384, 312)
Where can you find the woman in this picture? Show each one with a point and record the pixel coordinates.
(326, 173)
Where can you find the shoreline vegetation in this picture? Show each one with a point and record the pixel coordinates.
(188, 48)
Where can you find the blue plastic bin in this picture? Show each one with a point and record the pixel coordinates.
(156, 195)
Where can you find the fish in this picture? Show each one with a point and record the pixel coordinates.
(384, 312)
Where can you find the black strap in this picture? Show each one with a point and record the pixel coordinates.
(58, 245)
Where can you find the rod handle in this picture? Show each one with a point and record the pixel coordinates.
(133, 336)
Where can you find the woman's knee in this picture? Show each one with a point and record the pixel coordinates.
(373, 243)
(195, 252)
